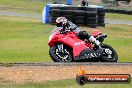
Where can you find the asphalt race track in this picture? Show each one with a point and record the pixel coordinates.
(65, 64)
(36, 16)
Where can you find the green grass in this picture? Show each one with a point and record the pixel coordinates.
(118, 16)
(26, 6)
(23, 40)
(26, 39)
(68, 83)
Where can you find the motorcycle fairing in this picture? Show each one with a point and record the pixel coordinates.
(89, 54)
(72, 41)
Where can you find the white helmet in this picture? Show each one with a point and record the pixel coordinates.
(61, 20)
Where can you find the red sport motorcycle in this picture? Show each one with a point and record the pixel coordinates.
(67, 46)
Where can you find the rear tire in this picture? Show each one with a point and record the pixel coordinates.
(58, 56)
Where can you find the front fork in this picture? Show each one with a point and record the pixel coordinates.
(61, 48)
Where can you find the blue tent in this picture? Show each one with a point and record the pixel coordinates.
(69, 2)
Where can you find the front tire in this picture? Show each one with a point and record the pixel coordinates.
(108, 54)
(59, 56)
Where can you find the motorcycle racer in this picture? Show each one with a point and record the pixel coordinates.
(68, 25)
(68, 44)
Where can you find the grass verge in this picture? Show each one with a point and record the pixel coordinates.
(23, 40)
(32, 6)
(118, 16)
(68, 83)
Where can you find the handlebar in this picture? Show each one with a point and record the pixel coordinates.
(100, 38)
(69, 26)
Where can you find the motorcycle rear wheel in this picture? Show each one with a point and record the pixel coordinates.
(106, 57)
(58, 56)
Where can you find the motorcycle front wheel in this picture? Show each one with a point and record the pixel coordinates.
(108, 54)
(58, 56)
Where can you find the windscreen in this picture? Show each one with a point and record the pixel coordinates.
(55, 30)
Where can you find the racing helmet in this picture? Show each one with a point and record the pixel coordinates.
(60, 21)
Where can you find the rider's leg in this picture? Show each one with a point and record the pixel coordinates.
(83, 35)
